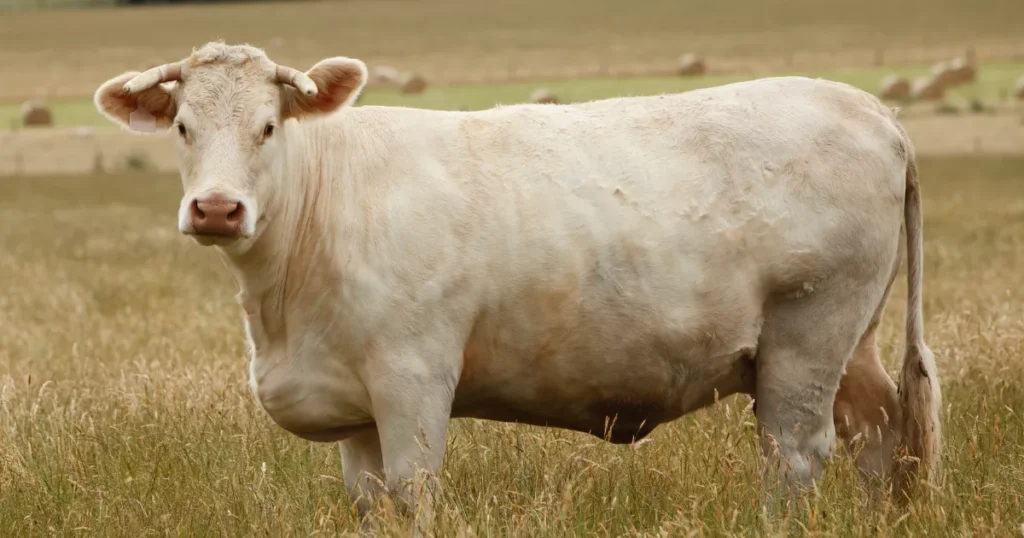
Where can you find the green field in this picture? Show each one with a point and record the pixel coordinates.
(68, 52)
(125, 410)
(993, 80)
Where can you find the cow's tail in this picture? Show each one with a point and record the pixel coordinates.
(919, 394)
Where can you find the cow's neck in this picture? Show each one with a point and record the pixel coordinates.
(290, 261)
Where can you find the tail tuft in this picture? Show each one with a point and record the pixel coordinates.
(919, 393)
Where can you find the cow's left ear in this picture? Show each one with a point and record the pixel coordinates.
(338, 83)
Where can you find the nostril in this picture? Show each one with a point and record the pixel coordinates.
(197, 213)
(236, 214)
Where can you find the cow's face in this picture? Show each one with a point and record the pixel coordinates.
(225, 105)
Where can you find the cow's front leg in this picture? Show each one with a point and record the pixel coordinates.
(363, 471)
(412, 400)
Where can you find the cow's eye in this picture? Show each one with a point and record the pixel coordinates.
(181, 130)
(268, 131)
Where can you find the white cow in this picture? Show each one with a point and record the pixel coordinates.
(619, 260)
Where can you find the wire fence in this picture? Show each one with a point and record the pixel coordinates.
(19, 5)
(86, 150)
(530, 68)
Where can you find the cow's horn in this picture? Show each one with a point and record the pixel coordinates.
(152, 77)
(288, 75)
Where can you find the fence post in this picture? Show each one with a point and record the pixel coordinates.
(97, 162)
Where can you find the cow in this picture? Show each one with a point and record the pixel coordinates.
(622, 261)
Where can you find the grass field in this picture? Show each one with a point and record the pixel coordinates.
(67, 53)
(124, 406)
(124, 409)
(993, 81)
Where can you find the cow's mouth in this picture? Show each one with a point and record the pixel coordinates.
(207, 239)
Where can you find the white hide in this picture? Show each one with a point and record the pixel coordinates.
(556, 264)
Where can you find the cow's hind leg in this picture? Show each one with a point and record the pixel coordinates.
(867, 408)
(805, 344)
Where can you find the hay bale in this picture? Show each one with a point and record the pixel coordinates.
(895, 87)
(543, 96)
(1018, 88)
(928, 89)
(956, 72)
(385, 75)
(414, 83)
(691, 65)
(36, 114)
(943, 74)
(961, 71)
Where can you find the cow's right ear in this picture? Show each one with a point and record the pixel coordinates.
(146, 111)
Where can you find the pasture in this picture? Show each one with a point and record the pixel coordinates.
(994, 80)
(125, 409)
(59, 54)
(124, 403)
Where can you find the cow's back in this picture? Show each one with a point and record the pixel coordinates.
(731, 174)
(668, 150)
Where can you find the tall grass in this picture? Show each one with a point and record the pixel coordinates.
(124, 409)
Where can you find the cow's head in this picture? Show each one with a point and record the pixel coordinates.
(226, 105)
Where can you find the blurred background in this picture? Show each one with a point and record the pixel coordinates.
(124, 408)
(957, 59)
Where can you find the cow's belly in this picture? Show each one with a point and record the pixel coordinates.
(615, 404)
(631, 360)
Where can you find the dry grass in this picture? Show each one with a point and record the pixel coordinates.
(125, 412)
(61, 53)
